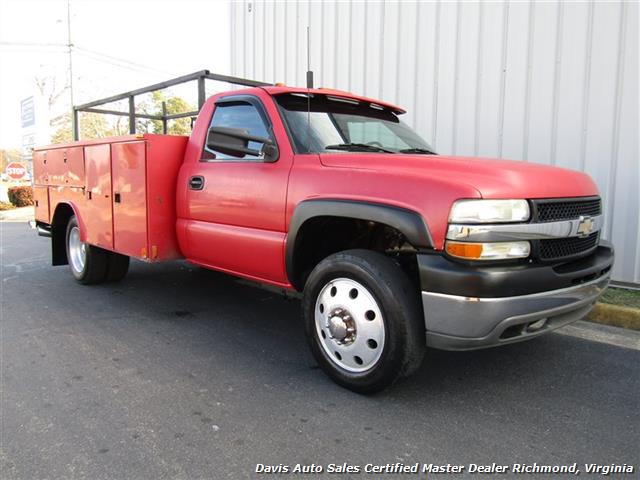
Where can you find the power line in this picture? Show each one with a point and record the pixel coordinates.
(96, 55)
(32, 44)
(118, 64)
(32, 50)
(139, 66)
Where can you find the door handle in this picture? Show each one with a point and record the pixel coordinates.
(196, 183)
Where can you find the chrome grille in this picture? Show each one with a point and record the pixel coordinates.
(564, 209)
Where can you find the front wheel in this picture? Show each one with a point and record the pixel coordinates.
(363, 320)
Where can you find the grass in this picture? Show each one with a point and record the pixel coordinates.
(622, 297)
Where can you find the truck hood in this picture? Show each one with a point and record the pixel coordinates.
(492, 178)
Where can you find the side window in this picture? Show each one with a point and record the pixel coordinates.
(241, 115)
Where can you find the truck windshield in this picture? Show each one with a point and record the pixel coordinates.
(321, 123)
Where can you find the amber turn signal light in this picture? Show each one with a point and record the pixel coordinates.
(488, 251)
(471, 251)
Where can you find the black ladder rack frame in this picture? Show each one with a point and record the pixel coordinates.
(200, 77)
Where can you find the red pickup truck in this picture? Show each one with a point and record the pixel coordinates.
(394, 247)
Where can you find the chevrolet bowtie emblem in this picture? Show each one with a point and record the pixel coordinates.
(585, 226)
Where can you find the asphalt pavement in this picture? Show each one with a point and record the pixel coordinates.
(180, 372)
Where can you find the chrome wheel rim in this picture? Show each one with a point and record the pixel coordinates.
(349, 325)
(77, 250)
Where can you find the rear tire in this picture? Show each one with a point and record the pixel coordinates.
(363, 320)
(117, 266)
(88, 263)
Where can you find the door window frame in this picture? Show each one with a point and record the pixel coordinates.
(259, 106)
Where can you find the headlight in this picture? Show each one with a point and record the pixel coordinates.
(488, 251)
(489, 211)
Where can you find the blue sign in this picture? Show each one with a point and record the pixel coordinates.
(27, 111)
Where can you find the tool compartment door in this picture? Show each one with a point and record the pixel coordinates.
(128, 164)
(73, 159)
(41, 200)
(40, 170)
(98, 218)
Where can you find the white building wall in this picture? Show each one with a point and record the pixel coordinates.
(547, 82)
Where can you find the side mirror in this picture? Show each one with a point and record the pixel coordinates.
(270, 152)
(235, 142)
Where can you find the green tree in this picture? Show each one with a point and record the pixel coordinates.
(92, 125)
(174, 105)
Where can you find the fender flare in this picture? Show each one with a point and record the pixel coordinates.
(76, 212)
(408, 222)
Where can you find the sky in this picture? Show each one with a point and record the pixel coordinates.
(118, 45)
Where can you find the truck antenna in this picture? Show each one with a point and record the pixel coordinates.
(309, 86)
(309, 72)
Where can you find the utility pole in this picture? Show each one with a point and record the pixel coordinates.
(74, 116)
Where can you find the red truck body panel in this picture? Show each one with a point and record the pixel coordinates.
(493, 178)
(429, 184)
(239, 222)
(122, 191)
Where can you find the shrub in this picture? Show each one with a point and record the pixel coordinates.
(21, 196)
(6, 206)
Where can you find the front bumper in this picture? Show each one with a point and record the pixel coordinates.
(466, 318)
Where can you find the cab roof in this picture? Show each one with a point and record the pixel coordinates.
(279, 90)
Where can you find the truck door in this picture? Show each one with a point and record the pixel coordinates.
(237, 205)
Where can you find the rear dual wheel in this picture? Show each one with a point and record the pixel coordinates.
(363, 320)
(90, 264)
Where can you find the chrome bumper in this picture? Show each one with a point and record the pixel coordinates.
(466, 323)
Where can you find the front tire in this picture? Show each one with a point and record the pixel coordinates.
(363, 320)
(88, 263)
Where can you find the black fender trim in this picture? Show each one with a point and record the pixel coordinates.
(408, 222)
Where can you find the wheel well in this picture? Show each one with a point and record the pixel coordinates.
(322, 236)
(59, 233)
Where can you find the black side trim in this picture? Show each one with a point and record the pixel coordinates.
(408, 222)
(438, 274)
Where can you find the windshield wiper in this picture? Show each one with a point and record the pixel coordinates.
(417, 150)
(357, 147)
